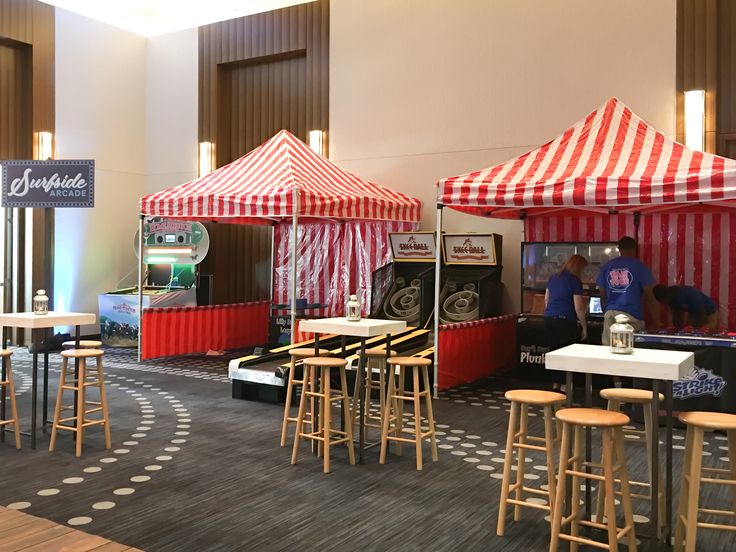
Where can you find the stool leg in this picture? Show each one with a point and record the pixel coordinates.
(400, 409)
(576, 481)
(103, 402)
(549, 446)
(326, 416)
(610, 505)
(287, 406)
(648, 424)
(57, 408)
(81, 392)
(346, 416)
(560, 490)
(430, 415)
(684, 493)
(618, 442)
(691, 518)
(520, 459)
(508, 460)
(417, 416)
(355, 408)
(732, 464)
(308, 375)
(390, 406)
(13, 405)
(615, 406)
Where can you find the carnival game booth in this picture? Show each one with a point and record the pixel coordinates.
(341, 222)
(609, 175)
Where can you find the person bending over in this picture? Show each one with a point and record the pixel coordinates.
(689, 305)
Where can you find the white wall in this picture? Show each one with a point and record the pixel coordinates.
(424, 89)
(131, 105)
(171, 109)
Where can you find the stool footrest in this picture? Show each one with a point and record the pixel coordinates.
(544, 507)
(585, 475)
(718, 481)
(5, 422)
(712, 512)
(529, 447)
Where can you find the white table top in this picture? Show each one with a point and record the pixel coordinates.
(366, 327)
(642, 363)
(53, 318)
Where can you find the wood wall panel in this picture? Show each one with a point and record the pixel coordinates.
(727, 67)
(27, 30)
(257, 75)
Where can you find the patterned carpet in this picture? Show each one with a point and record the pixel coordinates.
(192, 469)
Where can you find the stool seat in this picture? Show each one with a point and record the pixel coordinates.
(307, 352)
(83, 344)
(637, 396)
(534, 397)
(378, 353)
(5, 353)
(82, 353)
(709, 420)
(325, 362)
(409, 361)
(592, 417)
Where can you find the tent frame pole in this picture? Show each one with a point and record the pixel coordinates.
(271, 273)
(140, 285)
(437, 287)
(295, 228)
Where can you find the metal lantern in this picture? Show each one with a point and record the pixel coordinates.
(40, 302)
(352, 309)
(622, 335)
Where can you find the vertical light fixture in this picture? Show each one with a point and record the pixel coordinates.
(695, 119)
(44, 145)
(206, 158)
(316, 141)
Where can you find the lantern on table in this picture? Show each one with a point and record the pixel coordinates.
(40, 302)
(352, 309)
(622, 335)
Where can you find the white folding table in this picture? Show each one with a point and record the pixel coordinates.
(653, 364)
(36, 322)
(363, 329)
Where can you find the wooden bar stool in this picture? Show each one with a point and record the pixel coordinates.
(7, 385)
(610, 424)
(517, 439)
(94, 378)
(395, 410)
(375, 362)
(293, 381)
(324, 432)
(616, 397)
(686, 527)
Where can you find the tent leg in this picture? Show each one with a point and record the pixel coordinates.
(295, 228)
(271, 274)
(140, 286)
(437, 287)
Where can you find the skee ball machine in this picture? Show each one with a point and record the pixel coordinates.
(471, 278)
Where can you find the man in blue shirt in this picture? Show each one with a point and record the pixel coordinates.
(625, 283)
(688, 305)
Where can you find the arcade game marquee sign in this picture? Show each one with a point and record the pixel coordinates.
(53, 183)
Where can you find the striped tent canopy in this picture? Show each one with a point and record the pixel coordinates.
(611, 161)
(262, 184)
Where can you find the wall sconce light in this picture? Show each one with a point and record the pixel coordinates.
(316, 141)
(695, 119)
(44, 146)
(206, 158)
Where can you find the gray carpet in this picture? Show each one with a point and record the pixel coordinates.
(208, 474)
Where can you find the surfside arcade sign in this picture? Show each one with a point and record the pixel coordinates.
(53, 183)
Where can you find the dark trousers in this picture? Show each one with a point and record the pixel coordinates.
(560, 333)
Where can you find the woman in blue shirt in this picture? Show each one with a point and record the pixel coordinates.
(565, 305)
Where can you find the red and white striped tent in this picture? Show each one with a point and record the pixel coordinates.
(588, 183)
(270, 180)
(286, 183)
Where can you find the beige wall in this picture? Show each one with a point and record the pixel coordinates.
(100, 115)
(129, 103)
(424, 89)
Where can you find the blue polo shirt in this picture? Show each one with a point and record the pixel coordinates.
(561, 289)
(692, 301)
(623, 280)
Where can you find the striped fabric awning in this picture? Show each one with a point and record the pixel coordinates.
(261, 184)
(609, 161)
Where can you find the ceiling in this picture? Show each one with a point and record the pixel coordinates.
(154, 17)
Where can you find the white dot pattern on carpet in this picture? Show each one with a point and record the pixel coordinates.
(92, 469)
(48, 492)
(152, 467)
(108, 460)
(19, 505)
(140, 478)
(81, 520)
(72, 480)
(105, 505)
(124, 491)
